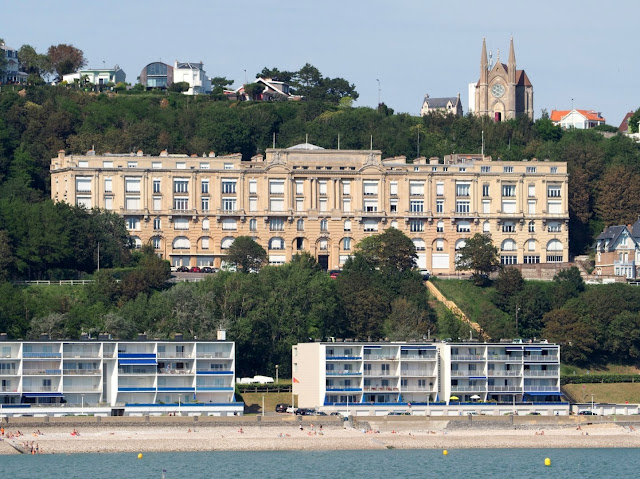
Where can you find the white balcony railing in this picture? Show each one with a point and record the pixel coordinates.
(532, 373)
(467, 357)
(541, 357)
(504, 373)
(468, 388)
(505, 388)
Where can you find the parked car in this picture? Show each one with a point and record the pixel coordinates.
(207, 269)
(335, 414)
(398, 413)
(183, 269)
(321, 413)
(195, 269)
(334, 273)
(291, 410)
(174, 268)
(587, 413)
(282, 407)
(425, 274)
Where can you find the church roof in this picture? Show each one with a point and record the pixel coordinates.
(440, 102)
(558, 115)
(522, 78)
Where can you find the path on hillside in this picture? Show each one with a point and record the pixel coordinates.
(457, 311)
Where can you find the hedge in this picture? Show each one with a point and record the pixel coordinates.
(599, 378)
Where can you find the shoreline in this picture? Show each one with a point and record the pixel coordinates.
(287, 436)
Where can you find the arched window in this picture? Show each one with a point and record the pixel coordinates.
(346, 244)
(554, 245)
(300, 225)
(181, 242)
(508, 245)
(419, 244)
(136, 242)
(530, 245)
(276, 243)
(347, 225)
(486, 227)
(323, 245)
(156, 242)
(204, 242)
(460, 244)
(227, 241)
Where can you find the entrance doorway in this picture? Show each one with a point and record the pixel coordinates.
(323, 261)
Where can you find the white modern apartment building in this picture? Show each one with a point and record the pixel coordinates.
(194, 75)
(384, 375)
(118, 374)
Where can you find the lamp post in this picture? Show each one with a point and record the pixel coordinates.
(592, 403)
(82, 406)
(179, 403)
(277, 374)
(263, 405)
(517, 311)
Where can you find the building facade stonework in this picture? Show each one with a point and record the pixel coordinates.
(503, 92)
(308, 199)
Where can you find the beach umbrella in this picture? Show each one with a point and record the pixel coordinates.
(475, 396)
(454, 398)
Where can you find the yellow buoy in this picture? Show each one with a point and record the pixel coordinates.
(547, 462)
(445, 452)
(140, 456)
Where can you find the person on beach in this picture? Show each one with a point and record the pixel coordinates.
(240, 431)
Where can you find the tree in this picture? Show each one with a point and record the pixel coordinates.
(576, 335)
(634, 122)
(218, 84)
(408, 321)
(253, 90)
(33, 63)
(246, 255)
(65, 59)
(508, 284)
(390, 251)
(6, 256)
(275, 74)
(623, 337)
(179, 87)
(52, 325)
(569, 284)
(480, 256)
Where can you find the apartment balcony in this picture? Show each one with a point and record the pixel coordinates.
(388, 389)
(345, 372)
(8, 372)
(175, 355)
(214, 371)
(467, 357)
(8, 389)
(504, 373)
(380, 357)
(92, 388)
(541, 357)
(467, 373)
(422, 389)
(499, 389)
(213, 355)
(80, 355)
(41, 355)
(415, 357)
(535, 374)
(468, 388)
(417, 373)
(344, 358)
(380, 373)
(167, 371)
(83, 372)
(537, 388)
(39, 389)
(41, 372)
(503, 357)
(343, 389)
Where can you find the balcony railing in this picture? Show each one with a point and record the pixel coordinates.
(549, 388)
(417, 372)
(8, 372)
(505, 388)
(8, 389)
(41, 354)
(44, 372)
(467, 357)
(89, 388)
(503, 357)
(541, 357)
(468, 388)
(379, 373)
(531, 373)
(39, 389)
(80, 354)
(213, 355)
(178, 371)
(380, 357)
(466, 373)
(504, 373)
(413, 357)
(174, 355)
(83, 372)
(380, 388)
(417, 388)
(345, 372)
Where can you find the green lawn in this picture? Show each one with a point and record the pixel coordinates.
(617, 393)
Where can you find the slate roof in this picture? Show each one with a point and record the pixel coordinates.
(612, 233)
(440, 102)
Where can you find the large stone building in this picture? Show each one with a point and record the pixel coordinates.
(306, 198)
(503, 92)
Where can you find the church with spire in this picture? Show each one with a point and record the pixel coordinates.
(503, 92)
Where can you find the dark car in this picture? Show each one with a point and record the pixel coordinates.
(183, 269)
(207, 269)
(195, 269)
(587, 413)
(282, 407)
(334, 273)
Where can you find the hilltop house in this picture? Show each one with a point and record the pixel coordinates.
(273, 90)
(441, 105)
(97, 76)
(581, 119)
(12, 73)
(618, 251)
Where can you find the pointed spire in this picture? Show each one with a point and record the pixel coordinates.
(484, 64)
(512, 62)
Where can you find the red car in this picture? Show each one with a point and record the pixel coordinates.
(195, 269)
(333, 274)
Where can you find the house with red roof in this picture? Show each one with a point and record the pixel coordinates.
(581, 119)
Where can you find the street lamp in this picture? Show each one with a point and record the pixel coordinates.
(82, 406)
(263, 405)
(179, 403)
(517, 311)
(276, 374)
(592, 403)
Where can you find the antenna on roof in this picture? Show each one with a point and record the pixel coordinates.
(338, 141)
(371, 147)
(306, 138)
(274, 139)
(482, 143)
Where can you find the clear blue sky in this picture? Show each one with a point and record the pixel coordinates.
(580, 49)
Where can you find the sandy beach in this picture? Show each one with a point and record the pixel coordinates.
(57, 439)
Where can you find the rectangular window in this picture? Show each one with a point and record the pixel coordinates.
(323, 204)
(133, 223)
(276, 204)
(554, 258)
(416, 188)
(462, 189)
(157, 224)
(346, 188)
(486, 227)
(554, 170)
(370, 188)
(509, 207)
(205, 204)
(416, 206)
(508, 190)
(108, 203)
(181, 165)
(507, 169)
(531, 207)
(156, 186)
(485, 189)
(205, 186)
(276, 224)
(532, 227)
(439, 206)
(532, 191)
(132, 203)
(553, 227)
(531, 259)
(531, 169)
(554, 207)
(553, 191)
(463, 207)
(370, 225)
(439, 189)
(228, 204)
(393, 188)
(108, 185)
(486, 206)
(463, 227)
(132, 164)
(299, 187)
(83, 185)
(180, 185)
(416, 226)
(370, 206)
(253, 224)
(324, 226)
(204, 166)
(508, 259)
(508, 227)
(205, 243)
(322, 188)
(439, 245)
(253, 204)
(347, 225)
(299, 204)
(83, 201)
(156, 165)
(485, 169)
(253, 187)
(107, 164)
(276, 187)
(132, 185)
(346, 205)
(157, 203)
(205, 224)
(393, 206)
(346, 244)
(181, 203)
(229, 224)
(228, 187)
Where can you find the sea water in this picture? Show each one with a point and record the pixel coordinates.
(460, 463)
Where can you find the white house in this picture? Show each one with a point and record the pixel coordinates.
(98, 76)
(194, 75)
(12, 72)
(581, 119)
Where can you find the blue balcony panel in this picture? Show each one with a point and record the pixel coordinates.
(220, 388)
(136, 355)
(187, 389)
(224, 373)
(137, 390)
